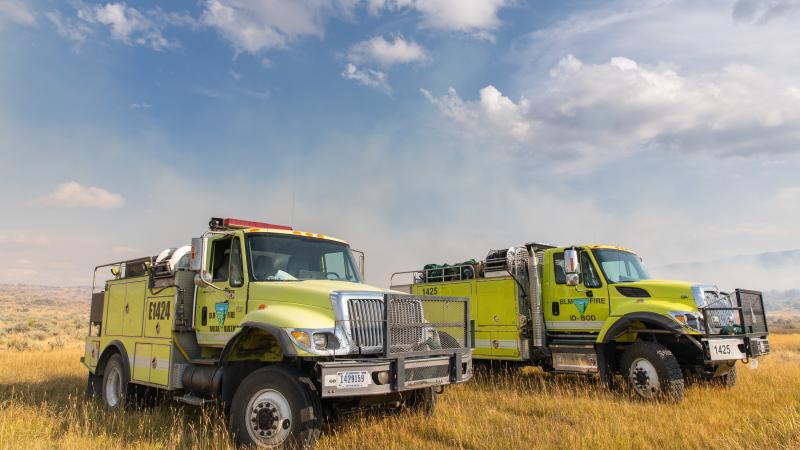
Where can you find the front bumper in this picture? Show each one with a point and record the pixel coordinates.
(718, 349)
(403, 374)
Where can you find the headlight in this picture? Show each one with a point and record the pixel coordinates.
(315, 341)
(688, 319)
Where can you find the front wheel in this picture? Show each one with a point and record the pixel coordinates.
(728, 379)
(276, 407)
(422, 401)
(652, 372)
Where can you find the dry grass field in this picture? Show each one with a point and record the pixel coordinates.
(42, 406)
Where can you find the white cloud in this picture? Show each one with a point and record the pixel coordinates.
(130, 26)
(17, 11)
(71, 29)
(126, 24)
(75, 195)
(493, 114)
(367, 77)
(477, 17)
(622, 106)
(141, 105)
(385, 53)
(254, 26)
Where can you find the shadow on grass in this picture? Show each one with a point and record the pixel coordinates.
(62, 402)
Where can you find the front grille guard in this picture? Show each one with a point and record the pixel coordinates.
(407, 326)
(747, 316)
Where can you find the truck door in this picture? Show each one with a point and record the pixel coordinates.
(220, 311)
(576, 310)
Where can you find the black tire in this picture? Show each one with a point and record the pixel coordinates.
(447, 341)
(422, 401)
(115, 388)
(728, 379)
(259, 412)
(652, 372)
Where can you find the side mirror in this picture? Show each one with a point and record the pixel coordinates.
(115, 271)
(572, 267)
(361, 263)
(197, 263)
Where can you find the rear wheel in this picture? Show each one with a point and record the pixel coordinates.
(276, 407)
(652, 372)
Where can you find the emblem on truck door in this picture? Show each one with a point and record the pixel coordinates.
(222, 311)
(581, 304)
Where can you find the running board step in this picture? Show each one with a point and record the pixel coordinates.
(204, 362)
(192, 400)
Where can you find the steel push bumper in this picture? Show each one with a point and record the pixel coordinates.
(351, 378)
(734, 348)
(747, 338)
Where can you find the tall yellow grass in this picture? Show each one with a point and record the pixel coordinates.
(42, 406)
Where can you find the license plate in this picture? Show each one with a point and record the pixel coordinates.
(353, 379)
(725, 349)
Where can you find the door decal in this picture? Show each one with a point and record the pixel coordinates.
(222, 311)
(581, 304)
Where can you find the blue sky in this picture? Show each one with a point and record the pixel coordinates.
(418, 130)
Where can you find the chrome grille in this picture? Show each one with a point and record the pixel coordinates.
(366, 322)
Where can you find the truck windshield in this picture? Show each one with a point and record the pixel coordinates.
(294, 258)
(620, 267)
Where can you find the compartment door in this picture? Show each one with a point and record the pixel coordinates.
(134, 308)
(115, 310)
(141, 362)
(160, 364)
(159, 313)
(497, 302)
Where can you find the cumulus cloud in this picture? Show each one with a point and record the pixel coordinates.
(16, 11)
(623, 106)
(477, 17)
(72, 29)
(256, 26)
(367, 77)
(396, 50)
(492, 114)
(76, 195)
(125, 23)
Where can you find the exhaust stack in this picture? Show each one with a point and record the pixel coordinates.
(535, 293)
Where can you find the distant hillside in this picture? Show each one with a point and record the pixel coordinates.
(769, 271)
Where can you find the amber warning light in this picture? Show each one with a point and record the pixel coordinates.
(239, 223)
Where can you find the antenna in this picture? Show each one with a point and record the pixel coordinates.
(294, 187)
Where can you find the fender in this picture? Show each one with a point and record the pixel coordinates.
(287, 347)
(101, 362)
(626, 321)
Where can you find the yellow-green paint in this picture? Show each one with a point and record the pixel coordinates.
(128, 316)
(495, 304)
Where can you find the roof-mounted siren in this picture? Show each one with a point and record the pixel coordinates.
(217, 223)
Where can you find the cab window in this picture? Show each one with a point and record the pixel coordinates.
(559, 269)
(226, 261)
(589, 276)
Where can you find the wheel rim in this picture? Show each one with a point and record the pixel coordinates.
(113, 387)
(269, 418)
(644, 378)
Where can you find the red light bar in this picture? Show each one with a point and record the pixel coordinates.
(238, 223)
